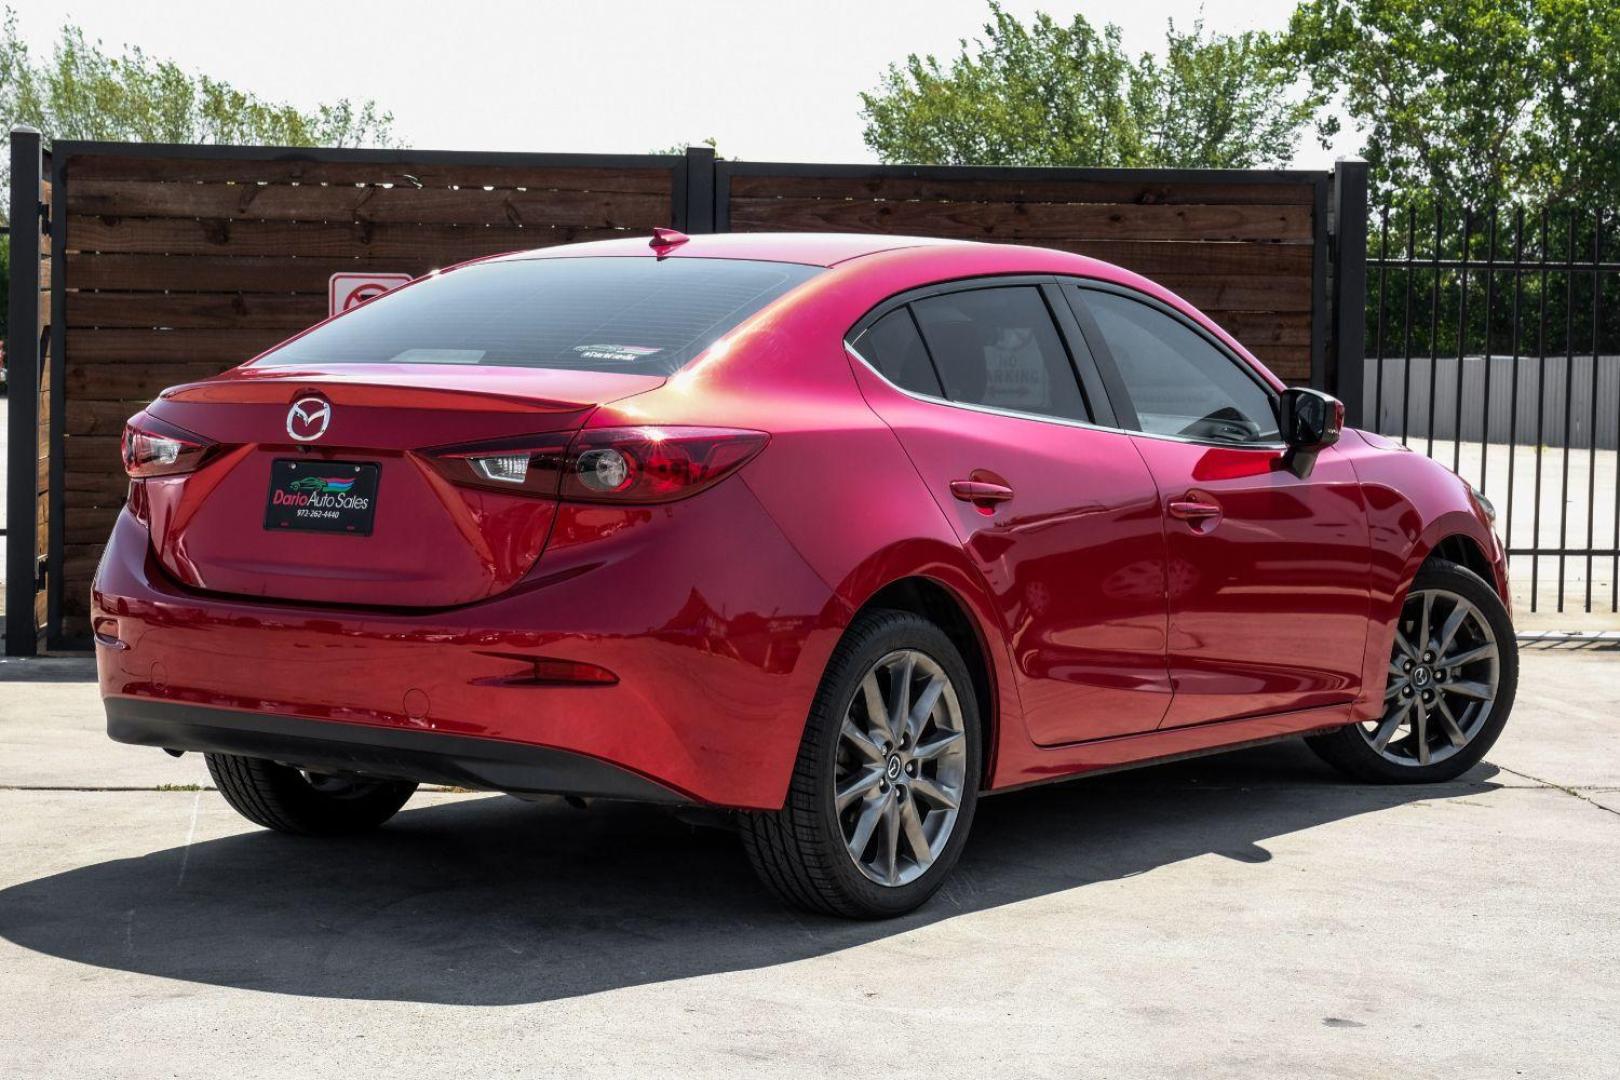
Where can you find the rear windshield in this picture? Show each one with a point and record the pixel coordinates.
(638, 315)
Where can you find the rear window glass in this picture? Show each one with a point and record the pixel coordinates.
(643, 316)
(894, 345)
(999, 347)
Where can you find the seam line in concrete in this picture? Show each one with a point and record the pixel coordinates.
(1572, 792)
(178, 789)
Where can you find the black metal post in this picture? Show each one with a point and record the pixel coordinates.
(22, 372)
(1349, 306)
(700, 189)
(56, 361)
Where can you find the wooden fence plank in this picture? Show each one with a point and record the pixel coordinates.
(225, 273)
(1291, 362)
(79, 561)
(566, 177)
(1214, 293)
(448, 206)
(98, 487)
(1262, 328)
(87, 416)
(132, 382)
(1160, 260)
(90, 525)
(1027, 221)
(444, 244)
(89, 452)
(1153, 258)
(127, 346)
(285, 312)
(1299, 193)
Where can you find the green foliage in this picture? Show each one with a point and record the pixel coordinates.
(1536, 282)
(1054, 94)
(84, 92)
(1483, 99)
(1221, 102)
(677, 149)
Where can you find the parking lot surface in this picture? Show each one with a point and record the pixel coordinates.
(1243, 915)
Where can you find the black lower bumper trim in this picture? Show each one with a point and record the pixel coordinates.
(425, 756)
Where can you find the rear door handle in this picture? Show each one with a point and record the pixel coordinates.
(980, 492)
(1194, 508)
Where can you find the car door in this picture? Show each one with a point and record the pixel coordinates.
(1061, 517)
(1267, 570)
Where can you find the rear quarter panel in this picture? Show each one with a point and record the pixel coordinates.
(834, 477)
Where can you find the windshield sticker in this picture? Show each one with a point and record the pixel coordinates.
(439, 356)
(615, 352)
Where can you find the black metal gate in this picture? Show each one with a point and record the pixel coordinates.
(1494, 346)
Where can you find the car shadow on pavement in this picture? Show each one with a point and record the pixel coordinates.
(493, 901)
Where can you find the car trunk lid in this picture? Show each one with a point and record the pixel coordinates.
(321, 489)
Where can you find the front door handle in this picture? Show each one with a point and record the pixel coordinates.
(981, 493)
(1194, 506)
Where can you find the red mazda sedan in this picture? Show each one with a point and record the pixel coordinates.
(835, 532)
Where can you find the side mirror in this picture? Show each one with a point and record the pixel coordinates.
(1309, 421)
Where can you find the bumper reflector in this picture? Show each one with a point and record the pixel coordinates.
(549, 671)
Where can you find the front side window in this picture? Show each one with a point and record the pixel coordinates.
(999, 347)
(1179, 382)
(638, 315)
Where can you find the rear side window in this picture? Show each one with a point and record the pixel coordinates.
(896, 349)
(1179, 382)
(999, 347)
(638, 315)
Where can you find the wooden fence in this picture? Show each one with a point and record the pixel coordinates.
(1244, 247)
(173, 263)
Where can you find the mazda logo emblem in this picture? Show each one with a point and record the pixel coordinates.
(309, 418)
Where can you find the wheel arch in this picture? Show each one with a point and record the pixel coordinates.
(940, 605)
(1465, 551)
(1462, 538)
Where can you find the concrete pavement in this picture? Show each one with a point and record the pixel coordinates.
(1243, 915)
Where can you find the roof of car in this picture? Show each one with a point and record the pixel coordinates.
(812, 249)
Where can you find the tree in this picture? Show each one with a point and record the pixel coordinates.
(84, 92)
(1221, 102)
(1053, 94)
(1477, 99)
(677, 149)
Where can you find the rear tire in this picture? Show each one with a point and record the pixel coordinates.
(289, 800)
(1454, 669)
(877, 812)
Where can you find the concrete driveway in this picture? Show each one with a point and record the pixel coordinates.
(1244, 915)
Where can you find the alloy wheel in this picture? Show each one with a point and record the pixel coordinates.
(901, 769)
(1444, 672)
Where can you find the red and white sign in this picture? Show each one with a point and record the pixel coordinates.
(345, 291)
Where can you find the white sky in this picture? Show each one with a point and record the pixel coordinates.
(772, 80)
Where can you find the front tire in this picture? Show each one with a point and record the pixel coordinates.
(887, 777)
(1453, 672)
(291, 800)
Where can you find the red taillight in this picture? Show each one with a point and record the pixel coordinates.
(154, 448)
(611, 465)
(653, 464)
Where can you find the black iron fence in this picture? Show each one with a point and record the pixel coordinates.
(1494, 346)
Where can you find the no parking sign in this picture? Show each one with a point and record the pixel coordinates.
(344, 291)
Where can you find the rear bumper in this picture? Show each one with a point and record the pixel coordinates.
(406, 755)
(717, 632)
